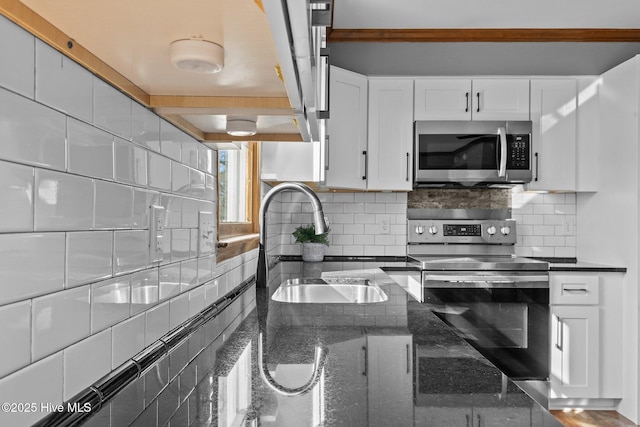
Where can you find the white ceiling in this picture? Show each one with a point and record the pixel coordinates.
(133, 37)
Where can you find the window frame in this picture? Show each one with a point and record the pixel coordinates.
(237, 238)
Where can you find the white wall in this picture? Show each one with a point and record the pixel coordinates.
(608, 219)
(80, 163)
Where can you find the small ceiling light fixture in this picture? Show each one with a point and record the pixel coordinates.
(241, 127)
(197, 55)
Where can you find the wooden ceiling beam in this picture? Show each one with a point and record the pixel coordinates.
(214, 102)
(465, 35)
(281, 137)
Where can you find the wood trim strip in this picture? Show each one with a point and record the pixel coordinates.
(438, 35)
(246, 102)
(280, 137)
(26, 18)
(183, 124)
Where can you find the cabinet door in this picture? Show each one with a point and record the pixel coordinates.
(500, 99)
(390, 379)
(499, 417)
(553, 113)
(347, 130)
(442, 99)
(390, 142)
(276, 164)
(575, 350)
(436, 416)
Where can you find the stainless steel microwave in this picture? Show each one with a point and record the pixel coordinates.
(469, 153)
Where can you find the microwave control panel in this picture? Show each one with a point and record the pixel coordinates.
(518, 151)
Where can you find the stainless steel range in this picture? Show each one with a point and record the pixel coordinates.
(473, 281)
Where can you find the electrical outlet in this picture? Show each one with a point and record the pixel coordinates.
(205, 233)
(156, 233)
(385, 225)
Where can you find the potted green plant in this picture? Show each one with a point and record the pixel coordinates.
(313, 245)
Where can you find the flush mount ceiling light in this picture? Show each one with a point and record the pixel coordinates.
(197, 55)
(241, 127)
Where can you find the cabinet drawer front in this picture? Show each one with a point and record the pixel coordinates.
(578, 290)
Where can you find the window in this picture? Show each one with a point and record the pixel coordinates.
(238, 199)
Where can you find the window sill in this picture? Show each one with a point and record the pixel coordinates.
(237, 245)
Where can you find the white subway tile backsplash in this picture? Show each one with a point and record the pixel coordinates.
(20, 276)
(62, 201)
(374, 208)
(90, 150)
(190, 208)
(40, 382)
(127, 339)
(190, 152)
(16, 196)
(86, 362)
(31, 133)
(112, 109)
(196, 301)
(59, 320)
(179, 310)
(169, 278)
(16, 334)
(180, 178)
(159, 169)
(113, 205)
(145, 290)
(205, 158)
(130, 163)
(110, 302)
(171, 140)
(88, 257)
(211, 292)
(145, 127)
(197, 187)
(205, 268)
(142, 200)
(157, 323)
(173, 210)
(63, 84)
(210, 188)
(130, 251)
(17, 44)
(188, 274)
(180, 244)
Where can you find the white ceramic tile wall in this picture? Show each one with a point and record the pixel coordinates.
(80, 164)
(355, 220)
(546, 224)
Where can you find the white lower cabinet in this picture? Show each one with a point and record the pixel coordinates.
(390, 378)
(473, 416)
(586, 337)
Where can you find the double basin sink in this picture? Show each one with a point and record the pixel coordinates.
(329, 291)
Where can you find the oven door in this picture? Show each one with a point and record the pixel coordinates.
(504, 315)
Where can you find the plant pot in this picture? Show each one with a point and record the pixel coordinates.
(313, 252)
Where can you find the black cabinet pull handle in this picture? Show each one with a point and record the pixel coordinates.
(478, 103)
(537, 170)
(408, 166)
(466, 108)
(366, 165)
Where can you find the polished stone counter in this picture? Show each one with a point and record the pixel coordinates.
(386, 363)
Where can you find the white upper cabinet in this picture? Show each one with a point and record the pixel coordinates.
(553, 113)
(390, 141)
(471, 99)
(347, 130)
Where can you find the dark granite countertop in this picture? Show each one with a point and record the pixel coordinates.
(386, 363)
(586, 267)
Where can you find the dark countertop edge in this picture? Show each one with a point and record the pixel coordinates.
(344, 258)
(572, 264)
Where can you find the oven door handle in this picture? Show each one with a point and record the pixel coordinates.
(497, 281)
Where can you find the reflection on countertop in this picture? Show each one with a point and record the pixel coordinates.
(387, 363)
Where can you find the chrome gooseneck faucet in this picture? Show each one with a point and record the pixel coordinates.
(318, 219)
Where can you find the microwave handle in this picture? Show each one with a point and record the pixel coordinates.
(502, 140)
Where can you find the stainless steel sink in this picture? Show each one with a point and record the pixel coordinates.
(329, 291)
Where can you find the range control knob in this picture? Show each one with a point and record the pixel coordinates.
(491, 230)
(419, 229)
(505, 230)
(433, 229)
